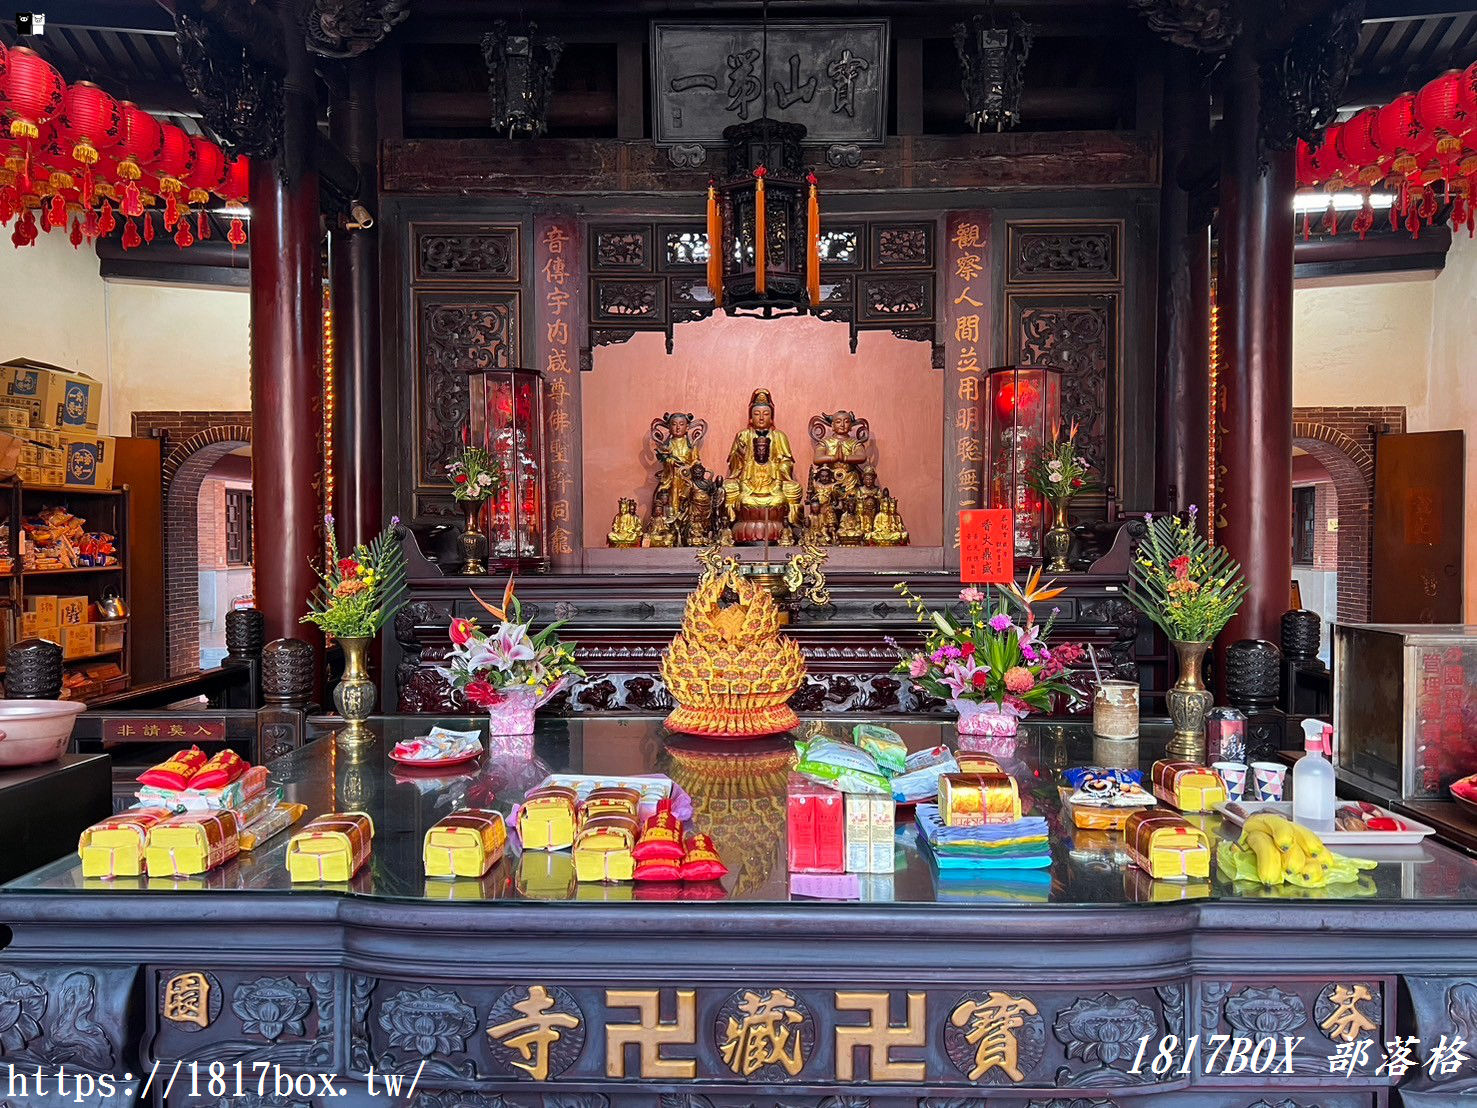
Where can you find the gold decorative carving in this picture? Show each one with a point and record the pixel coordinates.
(879, 1036)
(766, 1032)
(187, 998)
(989, 1026)
(650, 1034)
(534, 1033)
(1348, 1021)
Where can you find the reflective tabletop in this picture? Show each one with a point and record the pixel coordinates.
(738, 795)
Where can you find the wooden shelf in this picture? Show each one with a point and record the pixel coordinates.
(67, 490)
(117, 650)
(78, 569)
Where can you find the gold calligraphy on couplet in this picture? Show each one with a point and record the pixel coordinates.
(187, 999)
(534, 1032)
(879, 1036)
(766, 1033)
(650, 1034)
(556, 244)
(965, 335)
(990, 1026)
(1348, 1021)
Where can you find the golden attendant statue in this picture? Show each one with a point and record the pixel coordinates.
(625, 529)
(676, 436)
(887, 528)
(842, 442)
(761, 495)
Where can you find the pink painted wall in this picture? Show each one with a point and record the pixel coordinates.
(806, 364)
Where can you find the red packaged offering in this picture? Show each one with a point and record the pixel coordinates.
(658, 869)
(176, 773)
(815, 826)
(701, 862)
(661, 838)
(222, 769)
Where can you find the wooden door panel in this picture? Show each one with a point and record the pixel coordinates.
(1416, 573)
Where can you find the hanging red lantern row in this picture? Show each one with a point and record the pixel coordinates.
(75, 160)
(1417, 142)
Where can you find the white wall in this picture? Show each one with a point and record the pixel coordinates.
(1358, 341)
(1453, 379)
(176, 349)
(154, 347)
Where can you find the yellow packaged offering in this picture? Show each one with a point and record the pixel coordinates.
(1163, 844)
(332, 847)
(114, 847)
(602, 849)
(467, 843)
(546, 820)
(193, 843)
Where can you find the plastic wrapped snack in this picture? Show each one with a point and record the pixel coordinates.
(841, 766)
(883, 744)
(923, 783)
(930, 756)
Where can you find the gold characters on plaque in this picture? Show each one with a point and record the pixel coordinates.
(533, 1034)
(1347, 1021)
(990, 1026)
(879, 1036)
(649, 1033)
(766, 1033)
(187, 999)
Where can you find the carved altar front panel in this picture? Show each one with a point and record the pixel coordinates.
(455, 252)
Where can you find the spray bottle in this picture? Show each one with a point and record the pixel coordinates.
(1313, 782)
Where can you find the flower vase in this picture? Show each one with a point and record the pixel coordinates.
(471, 544)
(355, 694)
(1057, 543)
(515, 713)
(1189, 700)
(986, 728)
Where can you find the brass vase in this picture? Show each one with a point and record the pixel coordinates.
(1057, 542)
(355, 694)
(471, 544)
(1188, 701)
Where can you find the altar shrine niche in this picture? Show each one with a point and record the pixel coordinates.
(843, 497)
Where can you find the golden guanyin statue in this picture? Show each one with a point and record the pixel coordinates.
(625, 529)
(887, 528)
(844, 443)
(761, 496)
(729, 670)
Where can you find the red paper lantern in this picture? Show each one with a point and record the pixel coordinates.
(30, 93)
(208, 172)
(1400, 131)
(143, 142)
(1467, 89)
(1439, 110)
(235, 190)
(1326, 165)
(91, 119)
(176, 159)
(1359, 149)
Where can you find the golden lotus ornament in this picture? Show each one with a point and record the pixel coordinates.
(729, 670)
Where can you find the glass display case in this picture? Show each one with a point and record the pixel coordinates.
(1022, 407)
(507, 418)
(1404, 706)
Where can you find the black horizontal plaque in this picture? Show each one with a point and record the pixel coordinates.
(830, 75)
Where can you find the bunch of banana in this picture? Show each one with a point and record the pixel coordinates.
(1274, 850)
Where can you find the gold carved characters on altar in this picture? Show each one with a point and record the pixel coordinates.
(543, 1031)
(191, 999)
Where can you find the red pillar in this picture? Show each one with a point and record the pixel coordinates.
(1255, 298)
(286, 362)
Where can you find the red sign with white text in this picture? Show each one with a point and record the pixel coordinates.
(986, 546)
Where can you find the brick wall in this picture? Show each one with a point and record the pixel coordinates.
(1325, 542)
(193, 443)
(1342, 439)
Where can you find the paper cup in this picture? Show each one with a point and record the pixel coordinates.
(1270, 777)
(1233, 776)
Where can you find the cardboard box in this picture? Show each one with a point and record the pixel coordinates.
(86, 460)
(71, 610)
(34, 627)
(16, 416)
(58, 399)
(79, 640)
(45, 608)
(869, 833)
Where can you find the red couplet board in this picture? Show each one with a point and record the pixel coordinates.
(986, 546)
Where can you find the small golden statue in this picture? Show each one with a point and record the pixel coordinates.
(702, 507)
(625, 529)
(850, 532)
(842, 442)
(761, 496)
(662, 529)
(869, 498)
(729, 670)
(675, 436)
(887, 528)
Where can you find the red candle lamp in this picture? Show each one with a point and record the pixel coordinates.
(1022, 407)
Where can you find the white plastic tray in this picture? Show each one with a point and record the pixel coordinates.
(1238, 811)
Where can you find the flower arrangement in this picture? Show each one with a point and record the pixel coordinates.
(997, 654)
(1188, 587)
(490, 666)
(1059, 470)
(359, 593)
(475, 474)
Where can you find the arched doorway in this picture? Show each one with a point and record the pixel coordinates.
(195, 445)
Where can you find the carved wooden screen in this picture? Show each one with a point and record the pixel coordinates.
(1064, 297)
(465, 305)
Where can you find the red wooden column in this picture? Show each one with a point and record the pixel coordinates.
(1255, 298)
(354, 274)
(286, 361)
(1182, 475)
